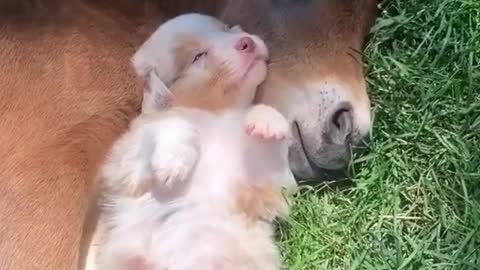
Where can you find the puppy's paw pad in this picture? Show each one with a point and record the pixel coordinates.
(264, 122)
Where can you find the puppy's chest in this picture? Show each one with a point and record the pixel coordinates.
(222, 152)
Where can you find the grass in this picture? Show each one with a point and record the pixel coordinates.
(415, 202)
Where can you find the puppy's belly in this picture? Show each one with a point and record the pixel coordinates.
(220, 164)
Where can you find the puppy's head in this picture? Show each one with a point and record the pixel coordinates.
(204, 63)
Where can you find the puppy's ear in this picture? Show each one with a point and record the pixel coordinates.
(156, 95)
(154, 56)
(141, 63)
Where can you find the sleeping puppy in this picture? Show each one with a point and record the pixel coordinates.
(197, 185)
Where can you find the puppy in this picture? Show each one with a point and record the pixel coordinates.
(198, 185)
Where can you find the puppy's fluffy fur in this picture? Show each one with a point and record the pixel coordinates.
(198, 185)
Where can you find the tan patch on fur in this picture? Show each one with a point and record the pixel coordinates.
(261, 201)
(186, 48)
(213, 92)
(211, 96)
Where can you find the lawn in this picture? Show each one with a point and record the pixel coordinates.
(414, 201)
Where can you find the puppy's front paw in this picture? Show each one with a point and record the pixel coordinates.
(174, 164)
(266, 123)
(176, 153)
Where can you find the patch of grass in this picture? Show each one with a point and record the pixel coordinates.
(416, 199)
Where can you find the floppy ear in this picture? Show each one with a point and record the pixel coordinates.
(141, 63)
(155, 55)
(156, 95)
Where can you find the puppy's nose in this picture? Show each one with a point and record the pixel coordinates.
(245, 44)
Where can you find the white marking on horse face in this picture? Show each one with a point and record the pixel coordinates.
(327, 96)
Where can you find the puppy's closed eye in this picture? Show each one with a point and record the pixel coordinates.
(199, 56)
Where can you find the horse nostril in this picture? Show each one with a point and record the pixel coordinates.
(341, 125)
(339, 118)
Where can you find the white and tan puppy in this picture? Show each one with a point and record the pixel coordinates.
(197, 185)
